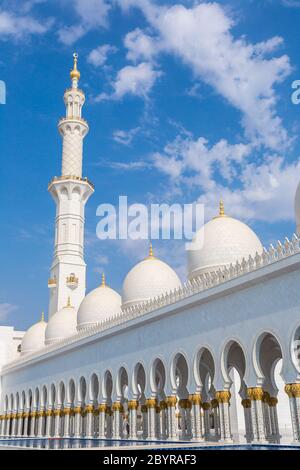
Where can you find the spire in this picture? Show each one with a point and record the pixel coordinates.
(75, 74)
(221, 208)
(103, 284)
(68, 303)
(43, 316)
(150, 255)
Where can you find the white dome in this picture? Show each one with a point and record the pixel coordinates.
(34, 338)
(100, 304)
(221, 241)
(61, 325)
(148, 279)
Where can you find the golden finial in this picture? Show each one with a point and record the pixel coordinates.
(103, 280)
(151, 255)
(68, 303)
(75, 72)
(43, 317)
(221, 208)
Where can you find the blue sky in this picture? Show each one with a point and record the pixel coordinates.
(186, 101)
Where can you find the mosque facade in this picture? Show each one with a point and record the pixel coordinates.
(157, 361)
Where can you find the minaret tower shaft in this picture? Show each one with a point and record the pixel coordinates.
(70, 192)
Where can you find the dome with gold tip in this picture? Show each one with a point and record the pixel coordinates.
(148, 279)
(34, 338)
(99, 305)
(220, 242)
(62, 324)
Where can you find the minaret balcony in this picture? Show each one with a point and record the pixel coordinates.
(72, 281)
(52, 283)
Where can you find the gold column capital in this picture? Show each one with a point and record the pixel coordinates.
(266, 397)
(163, 405)
(151, 402)
(171, 401)
(89, 408)
(195, 398)
(133, 404)
(223, 396)
(292, 390)
(255, 393)
(214, 403)
(246, 403)
(102, 407)
(206, 405)
(273, 401)
(117, 406)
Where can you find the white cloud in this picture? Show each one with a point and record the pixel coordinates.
(135, 80)
(238, 70)
(186, 159)
(6, 309)
(92, 14)
(267, 192)
(98, 56)
(125, 137)
(261, 191)
(140, 45)
(17, 27)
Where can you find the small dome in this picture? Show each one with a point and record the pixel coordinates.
(34, 338)
(148, 279)
(220, 242)
(61, 325)
(100, 304)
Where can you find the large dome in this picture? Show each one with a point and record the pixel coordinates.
(100, 304)
(34, 338)
(221, 241)
(148, 279)
(61, 325)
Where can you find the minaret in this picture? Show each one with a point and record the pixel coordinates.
(70, 192)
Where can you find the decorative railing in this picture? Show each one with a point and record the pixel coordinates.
(198, 284)
(70, 177)
(72, 118)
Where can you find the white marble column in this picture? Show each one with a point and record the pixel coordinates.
(49, 414)
(89, 420)
(255, 394)
(144, 411)
(164, 419)
(132, 408)
(275, 435)
(172, 425)
(151, 405)
(117, 408)
(223, 397)
(40, 422)
(67, 421)
(32, 422)
(206, 406)
(26, 430)
(293, 392)
(197, 428)
(246, 404)
(20, 423)
(109, 422)
(57, 422)
(77, 422)
(14, 424)
(101, 417)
